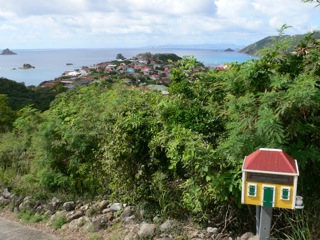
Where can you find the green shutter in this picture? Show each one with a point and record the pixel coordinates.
(285, 194)
(252, 190)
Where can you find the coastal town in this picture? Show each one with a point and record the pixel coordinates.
(145, 70)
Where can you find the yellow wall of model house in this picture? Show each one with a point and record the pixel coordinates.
(257, 200)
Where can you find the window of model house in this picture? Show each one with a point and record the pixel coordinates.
(252, 190)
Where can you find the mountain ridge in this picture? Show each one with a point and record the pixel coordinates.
(254, 48)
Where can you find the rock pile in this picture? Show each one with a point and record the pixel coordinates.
(101, 215)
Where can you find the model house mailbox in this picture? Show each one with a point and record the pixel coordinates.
(269, 179)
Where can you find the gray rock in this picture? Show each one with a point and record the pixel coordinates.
(88, 227)
(54, 204)
(104, 211)
(26, 203)
(84, 208)
(108, 216)
(4, 201)
(167, 225)
(246, 236)
(100, 222)
(73, 215)
(116, 207)
(127, 212)
(146, 230)
(69, 206)
(129, 220)
(6, 193)
(256, 237)
(212, 230)
(103, 205)
(78, 223)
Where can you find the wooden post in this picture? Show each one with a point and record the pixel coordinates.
(265, 223)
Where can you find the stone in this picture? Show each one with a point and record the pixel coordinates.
(129, 220)
(69, 206)
(108, 216)
(193, 234)
(6, 193)
(103, 205)
(246, 236)
(147, 230)
(88, 227)
(84, 208)
(167, 225)
(212, 230)
(4, 201)
(256, 237)
(127, 212)
(116, 207)
(106, 210)
(26, 203)
(99, 223)
(73, 215)
(54, 204)
(78, 223)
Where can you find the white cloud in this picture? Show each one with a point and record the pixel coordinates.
(6, 27)
(137, 22)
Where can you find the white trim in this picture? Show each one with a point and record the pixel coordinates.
(296, 162)
(243, 184)
(274, 194)
(271, 149)
(244, 163)
(289, 195)
(295, 183)
(255, 189)
(269, 172)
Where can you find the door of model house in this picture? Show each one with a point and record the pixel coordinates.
(268, 196)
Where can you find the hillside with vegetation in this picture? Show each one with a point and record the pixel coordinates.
(20, 96)
(177, 155)
(256, 48)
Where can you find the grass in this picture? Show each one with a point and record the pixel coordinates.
(300, 227)
(31, 217)
(95, 236)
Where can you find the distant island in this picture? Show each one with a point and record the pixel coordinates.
(7, 51)
(229, 50)
(26, 66)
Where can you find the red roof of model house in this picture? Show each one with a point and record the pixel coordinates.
(271, 160)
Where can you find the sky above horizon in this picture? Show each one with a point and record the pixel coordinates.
(35, 24)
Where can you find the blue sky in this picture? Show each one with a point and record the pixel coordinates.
(138, 23)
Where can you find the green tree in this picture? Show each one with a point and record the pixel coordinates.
(7, 114)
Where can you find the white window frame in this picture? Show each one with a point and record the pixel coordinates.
(289, 190)
(255, 187)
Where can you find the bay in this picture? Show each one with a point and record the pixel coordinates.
(51, 63)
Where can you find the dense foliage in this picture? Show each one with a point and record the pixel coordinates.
(181, 153)
(20, 96)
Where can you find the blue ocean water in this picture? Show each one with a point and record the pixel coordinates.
(51, 63)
